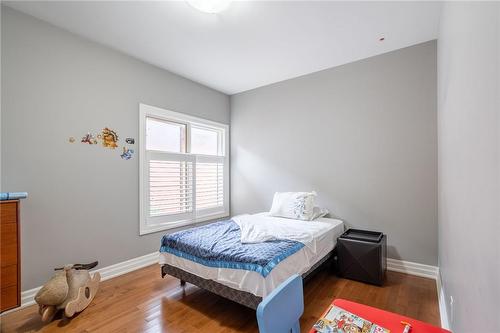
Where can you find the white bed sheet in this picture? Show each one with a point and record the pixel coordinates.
(252, 282)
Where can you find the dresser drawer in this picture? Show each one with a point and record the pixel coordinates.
(9, 276)
(8, 240)
(8, 212)
(9, 255)
(9, 298)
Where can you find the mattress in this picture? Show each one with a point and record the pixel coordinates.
(221, 244)
(253, 282)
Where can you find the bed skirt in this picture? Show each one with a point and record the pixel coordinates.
(242, 297)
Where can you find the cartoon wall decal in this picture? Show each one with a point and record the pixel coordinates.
(109, 138)
(127, 153)
(89, 139)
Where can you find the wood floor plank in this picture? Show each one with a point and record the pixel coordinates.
(142, 301)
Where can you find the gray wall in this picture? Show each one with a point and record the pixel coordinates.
(469, 164)
(83, 200)
(362, 135)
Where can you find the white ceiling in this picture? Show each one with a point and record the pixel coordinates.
(251, 44)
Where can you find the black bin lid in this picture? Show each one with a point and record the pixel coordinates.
(363, 235)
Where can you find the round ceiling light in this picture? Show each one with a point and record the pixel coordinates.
(209, 6)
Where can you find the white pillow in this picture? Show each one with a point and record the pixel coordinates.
(293, 205)
(319, 212)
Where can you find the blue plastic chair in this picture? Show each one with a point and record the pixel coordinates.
(280, 311)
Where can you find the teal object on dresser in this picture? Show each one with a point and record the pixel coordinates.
(13, 195)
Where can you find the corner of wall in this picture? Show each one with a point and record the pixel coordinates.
(443, 310)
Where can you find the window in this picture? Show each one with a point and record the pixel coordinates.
(184, 169)
(165, 135)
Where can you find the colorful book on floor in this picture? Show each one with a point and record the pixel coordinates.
(337, 320)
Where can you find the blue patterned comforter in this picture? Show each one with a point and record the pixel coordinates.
(219, 245)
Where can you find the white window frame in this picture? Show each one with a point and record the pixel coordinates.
(167, 115)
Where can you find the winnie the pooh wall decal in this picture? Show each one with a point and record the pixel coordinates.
(109, 138)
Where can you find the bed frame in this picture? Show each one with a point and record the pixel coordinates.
(242, 297)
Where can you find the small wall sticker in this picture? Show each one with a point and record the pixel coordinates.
(109, 138)
(89, 139)
(127, 153)
(130, 141)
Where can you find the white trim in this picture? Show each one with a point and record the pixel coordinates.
(443, 312)
(156, 112)
(176, 116)
(427, 271)
(142, 159)
(413, 268)
(109, 272)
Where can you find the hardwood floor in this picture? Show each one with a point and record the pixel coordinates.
(143, 302)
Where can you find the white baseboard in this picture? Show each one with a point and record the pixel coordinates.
(443, 312)
(413, 268)
(108, 272)
(431, 272)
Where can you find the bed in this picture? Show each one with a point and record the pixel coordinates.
(246, 257)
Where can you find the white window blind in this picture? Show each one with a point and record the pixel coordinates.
(170, 187)
(180, 187)
(209, 183)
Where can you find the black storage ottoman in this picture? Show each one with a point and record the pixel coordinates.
(362, 256)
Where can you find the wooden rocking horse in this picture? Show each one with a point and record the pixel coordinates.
(71, 289)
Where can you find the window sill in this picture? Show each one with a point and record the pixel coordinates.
(145, 230)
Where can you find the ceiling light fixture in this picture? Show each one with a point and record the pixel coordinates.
(209, 6)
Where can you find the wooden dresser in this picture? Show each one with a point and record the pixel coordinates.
(10, 255)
